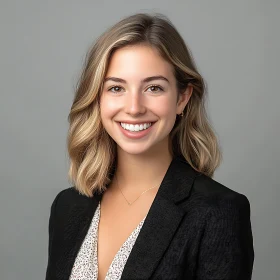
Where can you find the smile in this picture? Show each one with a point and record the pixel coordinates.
(136, 127)
(136, 131)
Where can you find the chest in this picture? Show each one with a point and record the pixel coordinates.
(118, 228)
(115, 240)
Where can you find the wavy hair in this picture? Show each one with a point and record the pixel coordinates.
(92, 152)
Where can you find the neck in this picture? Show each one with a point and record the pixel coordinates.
(136, 173)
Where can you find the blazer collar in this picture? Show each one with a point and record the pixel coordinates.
(158, 229)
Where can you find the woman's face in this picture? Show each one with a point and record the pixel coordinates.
(139, 90)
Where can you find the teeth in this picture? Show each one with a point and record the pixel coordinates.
(137, 127)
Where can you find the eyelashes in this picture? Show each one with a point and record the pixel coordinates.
(159, 88)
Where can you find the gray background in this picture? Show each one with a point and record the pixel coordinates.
(43, 44)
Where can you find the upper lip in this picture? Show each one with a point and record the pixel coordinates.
(136, 122)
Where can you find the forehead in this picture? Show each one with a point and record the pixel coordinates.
(138, 61)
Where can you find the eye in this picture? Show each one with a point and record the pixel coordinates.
(155, 88)
(116, 89)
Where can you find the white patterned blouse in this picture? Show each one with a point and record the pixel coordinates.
(86, 264)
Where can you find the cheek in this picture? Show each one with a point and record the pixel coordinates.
(165, 107)
(107, 106)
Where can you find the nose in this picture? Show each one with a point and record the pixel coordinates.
(134, 103)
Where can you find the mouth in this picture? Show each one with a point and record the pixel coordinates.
(140, 134)
(152, 123)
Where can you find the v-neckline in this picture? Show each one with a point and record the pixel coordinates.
(124, 243)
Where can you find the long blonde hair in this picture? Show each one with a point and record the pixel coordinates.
(92, 151)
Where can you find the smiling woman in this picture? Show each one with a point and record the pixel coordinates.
(143, 204)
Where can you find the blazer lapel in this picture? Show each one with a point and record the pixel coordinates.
(74, 230)
(161, 222)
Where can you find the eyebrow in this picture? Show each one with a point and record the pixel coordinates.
(146, 80)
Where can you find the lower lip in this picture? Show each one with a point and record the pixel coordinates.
(135, 134)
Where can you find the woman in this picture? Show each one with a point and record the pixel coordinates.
(142, 156)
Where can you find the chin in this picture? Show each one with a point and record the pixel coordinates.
(136, 150)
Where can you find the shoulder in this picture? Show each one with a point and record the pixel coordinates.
(68, 198)
(216, 198)
(207, 192)
(214, 191)
(69, 195)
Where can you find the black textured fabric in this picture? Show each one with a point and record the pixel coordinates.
(196, 229)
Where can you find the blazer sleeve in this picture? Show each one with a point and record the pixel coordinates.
(226, 249)
(51, 228)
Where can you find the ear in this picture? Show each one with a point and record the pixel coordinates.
(184, 98)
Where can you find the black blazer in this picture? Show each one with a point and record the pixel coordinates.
(196, 228)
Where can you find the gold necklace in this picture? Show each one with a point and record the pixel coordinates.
(130, 203)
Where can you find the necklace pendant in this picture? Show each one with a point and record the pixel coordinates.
(129, 203)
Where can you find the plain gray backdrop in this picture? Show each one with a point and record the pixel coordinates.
(43, 44)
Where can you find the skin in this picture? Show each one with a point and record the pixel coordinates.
(142, 163)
